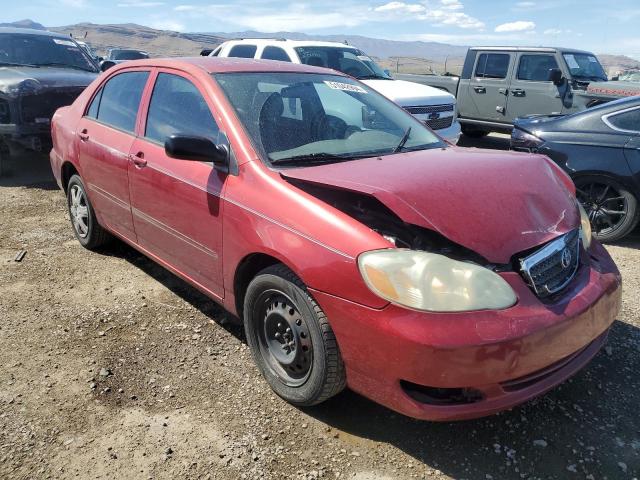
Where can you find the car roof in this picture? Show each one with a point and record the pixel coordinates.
(291, 43)
(227, 65)
(532, 49)
(31, 31)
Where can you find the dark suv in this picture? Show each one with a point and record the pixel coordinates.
(39, 72)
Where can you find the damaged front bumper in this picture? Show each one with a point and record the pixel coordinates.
(466, 365)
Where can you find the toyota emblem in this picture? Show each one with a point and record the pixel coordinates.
(565, 259)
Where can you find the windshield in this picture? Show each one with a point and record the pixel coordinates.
(584, 66)
(42, 50)
(127, 55)
(303, 119)
(347, 60)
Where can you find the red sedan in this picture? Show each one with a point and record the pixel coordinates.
(357, 246)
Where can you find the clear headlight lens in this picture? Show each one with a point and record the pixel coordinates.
(585, 231)
(524, 140)
(431, 282)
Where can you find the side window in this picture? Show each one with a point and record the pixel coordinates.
(275, 53)
(492, 65)
(120, 99)
(629, 121)
(178, 107)
(535, 68)
(243, 51)
(92, 112)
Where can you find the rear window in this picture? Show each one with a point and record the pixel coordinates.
(492, 65)
(629, 121)
(119, 100)
(243, 51)
(275, 53)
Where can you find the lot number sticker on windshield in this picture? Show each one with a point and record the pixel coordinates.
(571, 61)
(347, 87)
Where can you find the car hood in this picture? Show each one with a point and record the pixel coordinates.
(410, 94)
(494, 203)
(14, 80)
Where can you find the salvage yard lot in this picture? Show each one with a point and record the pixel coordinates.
(111, 367)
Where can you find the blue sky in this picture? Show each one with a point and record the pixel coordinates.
(599, 25)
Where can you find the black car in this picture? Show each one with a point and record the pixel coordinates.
(600, 149)
(39, 72)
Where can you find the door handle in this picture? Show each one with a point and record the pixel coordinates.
(518, 92)
(138, 160)
(480, 89)
(503, 91)
(83, 134)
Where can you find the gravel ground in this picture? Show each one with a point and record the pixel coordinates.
(111, 367)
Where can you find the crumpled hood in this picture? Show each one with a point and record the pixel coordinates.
(411, 94)
(41, 78)
(494, 203)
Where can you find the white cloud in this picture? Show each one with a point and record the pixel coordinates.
(184, 8)
(526, 4)
(137, 4)
(168, 25)
(74, 3)
(519, 26)
(447, 12)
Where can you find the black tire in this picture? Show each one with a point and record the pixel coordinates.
(89, 233)
(303, 365)
(474, 132)
(612, 209)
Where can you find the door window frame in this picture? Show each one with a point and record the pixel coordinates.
(532, 54)
(508, 74)
(99, 90)
(609, 123)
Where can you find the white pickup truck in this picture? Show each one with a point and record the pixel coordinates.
(433, 106)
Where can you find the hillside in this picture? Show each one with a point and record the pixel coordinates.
(397, 56)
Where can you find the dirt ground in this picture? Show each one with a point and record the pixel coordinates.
(111, 367)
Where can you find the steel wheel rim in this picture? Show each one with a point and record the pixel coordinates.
(283, 338)
(79, 211)
(606, 207)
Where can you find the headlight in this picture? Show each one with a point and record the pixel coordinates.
(431, 282)
(585, 231)
(523, 140)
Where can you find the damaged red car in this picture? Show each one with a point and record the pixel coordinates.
(358, 247)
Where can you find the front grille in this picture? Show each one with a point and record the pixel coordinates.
(440, 123)
(550, 269)
(429, 109)
(44, 105)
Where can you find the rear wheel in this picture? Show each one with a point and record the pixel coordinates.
(290, 338)
(88, 231)
(612, 209)
(474, 132)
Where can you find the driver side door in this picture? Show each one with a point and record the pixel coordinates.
(176, 205)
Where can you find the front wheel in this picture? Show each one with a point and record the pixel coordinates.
(88, 231)
(612, 209)
(291, 340)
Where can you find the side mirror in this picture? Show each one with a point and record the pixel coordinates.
(555, 76)
(188, 147)
(106, 65)
(387, 72)
(615, 79)
(99, 59)
(205, 52)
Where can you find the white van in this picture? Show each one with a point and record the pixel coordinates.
(436, 108)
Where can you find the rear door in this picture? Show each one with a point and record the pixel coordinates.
(176, 204)
(489, 85)
(531, 91)
(105, 135)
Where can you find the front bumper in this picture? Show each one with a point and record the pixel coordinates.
(508, 356)
(34, 136)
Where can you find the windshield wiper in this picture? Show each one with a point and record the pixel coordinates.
(65, 65)
(315, 158)
(373, 77)
(403, 141)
